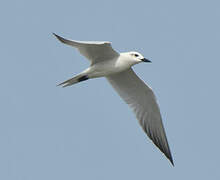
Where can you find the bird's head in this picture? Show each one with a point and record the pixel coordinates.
(136, 57)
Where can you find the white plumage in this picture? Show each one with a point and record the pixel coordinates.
(116, 67)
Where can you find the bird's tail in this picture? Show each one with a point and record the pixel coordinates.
(74, 80)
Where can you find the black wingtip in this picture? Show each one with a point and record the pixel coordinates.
(171, 160)
(61, 39)
(168, 155)
(58, 37)
(164, 148)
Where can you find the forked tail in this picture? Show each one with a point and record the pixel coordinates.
(74, 80)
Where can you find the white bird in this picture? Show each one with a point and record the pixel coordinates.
(116, 67)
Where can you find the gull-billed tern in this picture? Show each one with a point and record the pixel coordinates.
(116, 67)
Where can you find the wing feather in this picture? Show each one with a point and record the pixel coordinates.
(141, 99)
(95, 51)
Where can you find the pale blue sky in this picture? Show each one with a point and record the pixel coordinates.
(86, 131)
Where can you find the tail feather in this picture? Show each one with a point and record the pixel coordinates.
(74, 80)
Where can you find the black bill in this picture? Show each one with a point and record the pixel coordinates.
(145, 60)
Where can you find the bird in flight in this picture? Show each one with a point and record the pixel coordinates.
(116, 67)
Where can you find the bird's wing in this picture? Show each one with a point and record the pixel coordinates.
(95, 51)
(141, 99)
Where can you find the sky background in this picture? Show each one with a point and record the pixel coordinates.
(86, 131)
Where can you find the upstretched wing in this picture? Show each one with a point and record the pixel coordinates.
(141, 99)
(95, 51)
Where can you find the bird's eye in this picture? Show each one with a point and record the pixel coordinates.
(136, 55)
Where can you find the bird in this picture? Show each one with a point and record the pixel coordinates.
(117, 69)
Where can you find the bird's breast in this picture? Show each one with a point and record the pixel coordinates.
(106, 68)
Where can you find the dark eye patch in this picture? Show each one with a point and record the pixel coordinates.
(136, 55)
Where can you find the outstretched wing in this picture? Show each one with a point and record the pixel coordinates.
(141, 99)
(95, 51)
